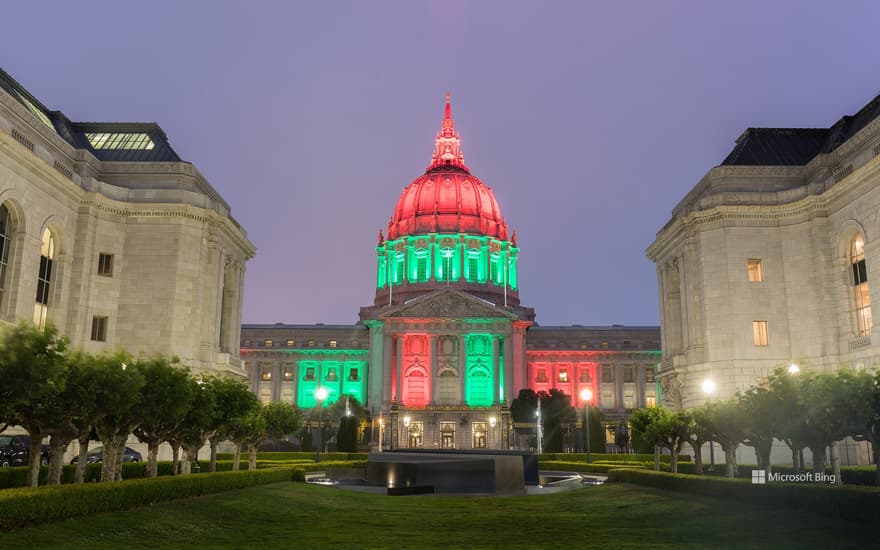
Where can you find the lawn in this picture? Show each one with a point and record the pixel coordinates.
(296, 515)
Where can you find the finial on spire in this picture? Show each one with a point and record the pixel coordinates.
(513, 238)
(447, 150)
(381, 238)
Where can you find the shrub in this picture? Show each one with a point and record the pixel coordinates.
(25, 506)
(620, 457)
(582, 467)
(296, 456)
(857, 503)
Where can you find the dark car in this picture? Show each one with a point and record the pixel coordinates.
(97, 455)
(15, 450)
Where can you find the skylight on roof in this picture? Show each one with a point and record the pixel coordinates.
(120, 141)
(36, 111)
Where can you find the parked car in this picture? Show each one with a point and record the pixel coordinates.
(97, 455)
(16, 449)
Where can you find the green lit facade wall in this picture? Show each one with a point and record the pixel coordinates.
(479, 370)
(446, 258)
(336, 372)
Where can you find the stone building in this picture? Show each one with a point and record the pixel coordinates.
(446, 346)
(770, 260)
(106, 233)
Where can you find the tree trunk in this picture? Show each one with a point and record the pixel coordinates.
(795, 458)
(175, 458)
(36, 445)
(698, 458)
(730, 460)
(818, 459)
(56, 460)
(213, 466)
(108, 467)
(186, 463)
(153, 459)
(236, 458)
(656, 458)
(763, 451)
(673, 459)
(80, 474)
(119, 460)
(876, 449)
(252, 456)
(835, 464)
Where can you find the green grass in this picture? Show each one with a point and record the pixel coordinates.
(296, 515)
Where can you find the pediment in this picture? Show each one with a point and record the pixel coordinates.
(449, 303)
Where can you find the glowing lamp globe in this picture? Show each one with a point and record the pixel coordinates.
(586, 394)
(321, 394)
(708, 387)
(793, 369)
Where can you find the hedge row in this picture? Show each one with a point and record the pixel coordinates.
(17, 477)
(852, 475)
(294, 455)
(606, 457)
(26, 506)
(849, 502)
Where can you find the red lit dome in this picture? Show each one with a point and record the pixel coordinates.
(447, 198)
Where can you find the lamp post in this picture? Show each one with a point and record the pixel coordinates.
(538, 426)
(320, 395)
(586, 396)
(381, 425)
(492, 422)
(406, 422)
(708, 387)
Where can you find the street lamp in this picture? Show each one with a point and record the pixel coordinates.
(586, 396)
(793, 369)
(381, 425)
(320, 395)
(538, 426)
(709, 388)
(492, 422)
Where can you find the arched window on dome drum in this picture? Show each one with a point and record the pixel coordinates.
(44, 278)
(447, 261)
(5, 244)
(420, 268)
(860, 286)
(496, 268)
(398, 267)
(382, 270)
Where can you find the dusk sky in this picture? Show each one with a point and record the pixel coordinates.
(589, 120)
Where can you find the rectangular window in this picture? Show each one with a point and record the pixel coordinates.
(629, 375)
(649, 375)
(288, 373)
(266, 374)
(629, 400)
(331, 374)
(291, 343)
(608, 400)
(311, 343)
(756, 272)
(759, 331)
(650, 401)
(99, 329)
(267, 343)
(607, 375)
(353, 375)
(563, 375)
(310, 373)
(105, 265)
(332, 343)
(541, 376)
(585, 376)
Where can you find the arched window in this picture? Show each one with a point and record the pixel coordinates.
(44, 278)
(860, 286)
(5, 244)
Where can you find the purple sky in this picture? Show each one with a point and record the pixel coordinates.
(589, 120)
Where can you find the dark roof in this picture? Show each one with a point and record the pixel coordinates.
(75, 132)
(797, 146)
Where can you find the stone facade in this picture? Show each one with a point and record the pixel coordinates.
(145, 254)
(756, 266)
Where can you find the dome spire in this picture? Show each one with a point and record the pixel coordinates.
(447, 144)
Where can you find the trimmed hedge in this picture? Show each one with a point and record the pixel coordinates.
(295, 456)
(847, 502)
(607, 457)
(26, 506)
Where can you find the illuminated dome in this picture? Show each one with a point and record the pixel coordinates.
(446, 232)
(447, 198)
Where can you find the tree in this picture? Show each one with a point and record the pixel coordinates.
(117, 399)
(166, 397)
(234, 402)
(31, 377)
(665, 428)
(201, 420)
(790, 427)
(642, 421)
(556, 411)
(863, 410)
(762, 410)
(346, 413)
(699, 433)
(824, 406)
(727, 421)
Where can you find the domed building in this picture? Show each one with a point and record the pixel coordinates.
(446, 346)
